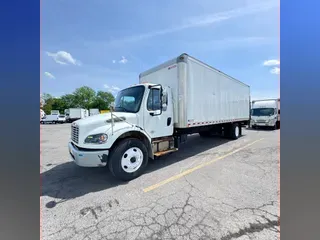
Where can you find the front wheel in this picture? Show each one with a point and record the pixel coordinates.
(128, 159)
(274, 127)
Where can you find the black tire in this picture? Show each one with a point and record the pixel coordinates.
(234, 131)
(116, 154)
(275, 126)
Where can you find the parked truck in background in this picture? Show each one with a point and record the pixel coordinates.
(94, 111)
(179, 97)
(265, 113)
(54, 112)
(53, 118)
(74, 114)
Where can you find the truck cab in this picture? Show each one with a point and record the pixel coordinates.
(127, 135)
(265, 113)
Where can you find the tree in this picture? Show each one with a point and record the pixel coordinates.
(84, 97)
(69, 100)
(102, 100)
(47, 107)
(59, 104)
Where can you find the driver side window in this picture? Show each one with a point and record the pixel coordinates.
(153, 103)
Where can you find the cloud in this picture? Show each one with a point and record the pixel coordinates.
(273, 62)
(123, 60)
(49, 75)
(112, 89)
(63, 58)
(275, 70)
(204, 21)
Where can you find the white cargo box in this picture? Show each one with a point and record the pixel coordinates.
(202, 95)
(94, 111)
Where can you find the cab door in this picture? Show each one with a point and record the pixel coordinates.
(158, 114)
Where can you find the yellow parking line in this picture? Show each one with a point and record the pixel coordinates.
(173, 178)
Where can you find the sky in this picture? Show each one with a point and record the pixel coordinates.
(105, 44)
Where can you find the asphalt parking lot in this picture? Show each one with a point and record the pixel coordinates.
(209, 189)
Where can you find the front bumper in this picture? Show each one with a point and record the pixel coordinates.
(265, 124)
(96, 158)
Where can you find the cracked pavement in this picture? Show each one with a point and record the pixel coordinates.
(234, 198)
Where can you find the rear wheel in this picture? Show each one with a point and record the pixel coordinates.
(233, 131)
(128, 159)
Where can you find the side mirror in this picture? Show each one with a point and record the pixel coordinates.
(164, 100)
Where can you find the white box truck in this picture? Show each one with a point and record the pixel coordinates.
(74, 114)
(54, 112)
(265, 113)
(180, 97)
(53, 118)
(94, 111)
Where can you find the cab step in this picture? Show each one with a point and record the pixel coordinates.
(158, 154)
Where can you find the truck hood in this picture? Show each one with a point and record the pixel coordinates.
(102, 123)
(105, 119)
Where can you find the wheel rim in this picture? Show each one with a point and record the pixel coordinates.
(132, 160)
(236, 131)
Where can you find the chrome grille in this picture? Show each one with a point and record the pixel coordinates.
(261, 121)
(75, 133)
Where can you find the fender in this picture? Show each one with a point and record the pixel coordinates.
(134, 132)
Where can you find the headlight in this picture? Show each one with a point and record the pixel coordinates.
(96, 138)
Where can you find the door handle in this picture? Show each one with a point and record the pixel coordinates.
(168, 121)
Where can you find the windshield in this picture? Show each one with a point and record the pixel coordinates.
(262, 112)
(129, 100)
